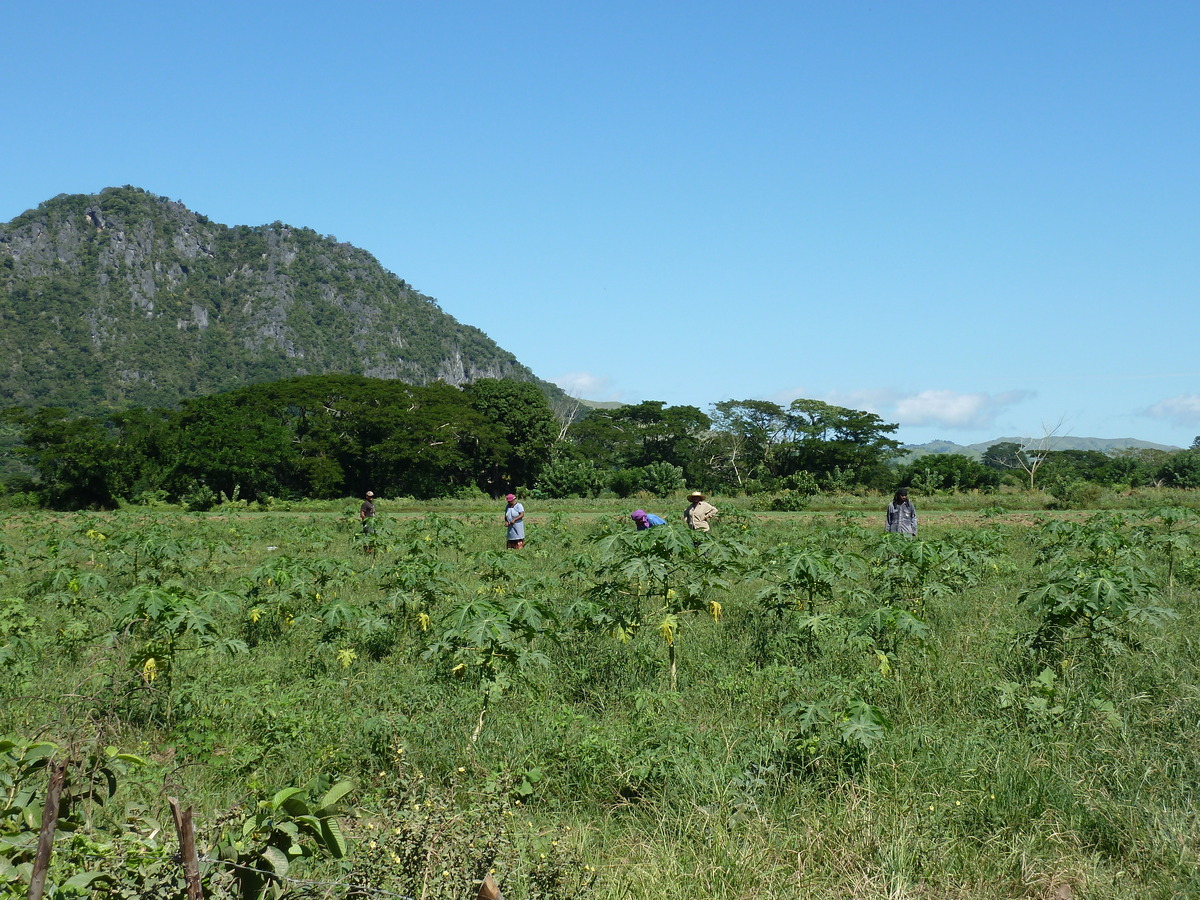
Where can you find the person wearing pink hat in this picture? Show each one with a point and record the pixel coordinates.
(644, 520)
(514, 521)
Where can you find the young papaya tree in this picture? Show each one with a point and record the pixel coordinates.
(656, 577)
(494, 636)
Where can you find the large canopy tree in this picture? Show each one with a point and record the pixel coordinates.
(640, 435)
(526, 424)
(760, 441)
(314, 436)
(830, 441)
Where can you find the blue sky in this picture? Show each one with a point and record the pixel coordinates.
(974, 219)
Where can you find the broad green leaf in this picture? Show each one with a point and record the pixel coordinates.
(38, 751)
(335, 842)
(334, 794)
(276, 859)
(83, 880)
(283, 796)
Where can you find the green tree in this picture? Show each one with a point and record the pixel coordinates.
(74, 457)
(229, 443)
(433, 445)
(523, 417)
(333, 435)
(570, 477)
(1076, 465)
(1134, 466)
(749, 441)
(948, 472)
(1003, 456)
(640, 435)
(1181, 469)
(661, 479)
(831, 440)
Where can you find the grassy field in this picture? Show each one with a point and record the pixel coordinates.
(796, 706)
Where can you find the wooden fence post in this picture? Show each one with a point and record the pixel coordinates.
(41, 863)
(187, 849)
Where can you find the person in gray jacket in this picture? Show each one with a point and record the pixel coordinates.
(901, 515)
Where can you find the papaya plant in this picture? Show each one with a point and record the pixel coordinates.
(151, 552)
(912, 572)
(415, 585)
(1095, 606)
(656, 577)
(493, 634)
(794, 578)
(840, 729)
(19, 633)
(294, 824)
(163, 620)
(1171, 530)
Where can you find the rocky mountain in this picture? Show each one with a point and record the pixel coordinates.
(124, 298)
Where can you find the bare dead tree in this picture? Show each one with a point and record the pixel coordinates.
(566, 411)
(1034, 452)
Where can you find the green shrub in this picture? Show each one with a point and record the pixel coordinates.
(660, 479)
(566, 477)
(201, 498)
(1074, 493)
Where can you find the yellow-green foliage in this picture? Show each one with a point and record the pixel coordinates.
(793, 705)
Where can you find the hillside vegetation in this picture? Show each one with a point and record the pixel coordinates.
(125, 298)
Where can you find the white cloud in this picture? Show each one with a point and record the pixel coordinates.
(786, 396)
(877, 400)
(587, 386)
(951, 409)
(1181, 410)
(939, 408)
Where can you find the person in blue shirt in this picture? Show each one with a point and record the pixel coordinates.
(645, 520)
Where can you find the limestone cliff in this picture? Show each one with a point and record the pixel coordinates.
(125, 298)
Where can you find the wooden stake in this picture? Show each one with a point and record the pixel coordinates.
(41, 863)
(187, 849)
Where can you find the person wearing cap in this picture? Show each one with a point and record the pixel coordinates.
(514, 520)
(901, 515)
(700, 513)
(645, 520)
(366, 513)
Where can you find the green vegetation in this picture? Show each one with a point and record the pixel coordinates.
(316, 436)
(152, 354)
(126, 299)
(325, 436)
(794, 705)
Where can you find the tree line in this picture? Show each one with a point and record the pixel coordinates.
(329, 436)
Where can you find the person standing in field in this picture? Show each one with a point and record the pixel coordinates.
(514, 520)
(700, 513)
(366, 513)
(901, 514)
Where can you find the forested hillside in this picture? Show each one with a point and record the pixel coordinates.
(125, 298)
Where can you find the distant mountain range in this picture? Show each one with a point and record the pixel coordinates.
(976, 451)
(125, 298)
